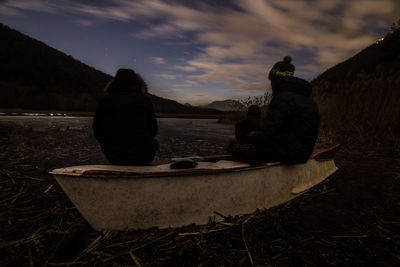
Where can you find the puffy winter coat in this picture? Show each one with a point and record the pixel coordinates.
(125, 126)
(292, 122)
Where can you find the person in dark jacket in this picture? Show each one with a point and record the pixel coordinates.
(291, 126)
(124, 123)
(251, 123)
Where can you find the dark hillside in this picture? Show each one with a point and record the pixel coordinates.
(163, 105)
(359, 98)
(34, 76)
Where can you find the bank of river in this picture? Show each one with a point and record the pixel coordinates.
(351, 219)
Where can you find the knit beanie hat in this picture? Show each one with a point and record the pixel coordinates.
(282, 69)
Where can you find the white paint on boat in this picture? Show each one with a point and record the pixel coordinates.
(79, 170)
(139, 197)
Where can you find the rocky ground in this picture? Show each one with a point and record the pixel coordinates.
(351, 219)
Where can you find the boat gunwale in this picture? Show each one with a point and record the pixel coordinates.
(104, 174)
(321, 155)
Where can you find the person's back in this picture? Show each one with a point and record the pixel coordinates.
(125, 123)
(251, 123)
(124, 118)
(292, 123)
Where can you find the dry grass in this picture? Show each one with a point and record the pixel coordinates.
(41, 227)
(358, 98)
(372, 120)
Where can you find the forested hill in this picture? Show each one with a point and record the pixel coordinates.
(35, 76)
(359, 98)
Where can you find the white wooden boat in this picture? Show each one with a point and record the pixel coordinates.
(138, 197)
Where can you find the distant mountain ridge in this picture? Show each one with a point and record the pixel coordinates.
(225, 105)
(168, 106)
(36, 76)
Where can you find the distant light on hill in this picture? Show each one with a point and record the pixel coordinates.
(377, 41)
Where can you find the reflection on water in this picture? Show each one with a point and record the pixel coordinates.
(32, 114)
(201, 129)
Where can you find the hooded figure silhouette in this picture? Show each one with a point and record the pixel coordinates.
(292, 122)
(124, 123)
(289, 131)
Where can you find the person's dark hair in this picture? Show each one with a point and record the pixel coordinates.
(254, 111)
(126, 80)
(282, 69)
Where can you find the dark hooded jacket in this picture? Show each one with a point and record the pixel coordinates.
(292, 122)
(125, 126)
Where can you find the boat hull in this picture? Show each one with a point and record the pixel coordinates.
(118, 202)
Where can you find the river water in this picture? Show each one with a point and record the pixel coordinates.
(177, 137)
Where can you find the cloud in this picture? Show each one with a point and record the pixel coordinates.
(33, 5)
(239, 44)
(168, 91)
(158, 60)
(188, 83)
(165, 31)
(186, 68)
(9, 11)
(166, 76)
(234, 90)
(85, 22)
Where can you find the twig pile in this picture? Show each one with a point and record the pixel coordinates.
(328, 225)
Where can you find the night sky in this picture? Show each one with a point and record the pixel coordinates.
(200, 51)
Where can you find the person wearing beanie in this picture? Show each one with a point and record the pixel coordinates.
(124, 123)
(289, 131)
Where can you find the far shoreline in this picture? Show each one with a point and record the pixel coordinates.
(63, 113)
